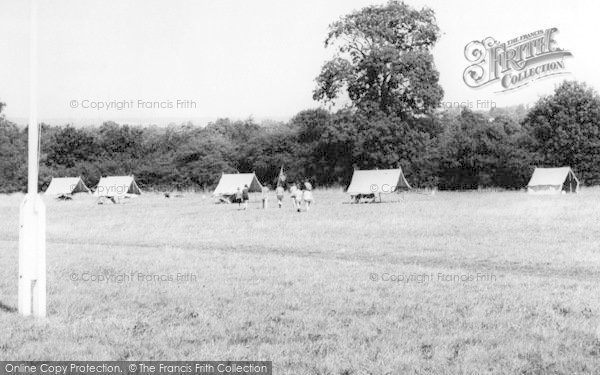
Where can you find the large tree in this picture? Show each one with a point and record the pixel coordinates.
(383, 60)
(566, 129)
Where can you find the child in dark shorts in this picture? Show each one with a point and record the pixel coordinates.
(237, 198)
(245, 196)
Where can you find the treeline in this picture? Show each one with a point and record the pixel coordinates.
(449, 150)
(383, 64)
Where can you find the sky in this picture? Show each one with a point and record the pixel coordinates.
(243, 58)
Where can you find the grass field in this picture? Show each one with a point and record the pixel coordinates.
(312, 291)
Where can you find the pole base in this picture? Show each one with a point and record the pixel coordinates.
(32, 257)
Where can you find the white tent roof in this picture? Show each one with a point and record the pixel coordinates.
(229, 183)
(550, 176)
(66, 185)
(117, 186)
(377, 181)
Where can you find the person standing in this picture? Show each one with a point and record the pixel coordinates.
(238, 196)
(299, 194)
(279, 192)
(265, 197)
(293, 193)
(307, 194)
(245, 196)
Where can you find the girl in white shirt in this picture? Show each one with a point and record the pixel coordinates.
(293, 193)
(307, 195)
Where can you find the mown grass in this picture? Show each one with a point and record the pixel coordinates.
(296, 288)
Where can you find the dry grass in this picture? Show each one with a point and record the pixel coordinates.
(296, 288)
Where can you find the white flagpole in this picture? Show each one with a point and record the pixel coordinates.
(32, 229)
(33, 135)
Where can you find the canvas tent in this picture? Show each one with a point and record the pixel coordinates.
(553, 181)
(66, 186)
(117, 187)
(369, 183)
(229, 183)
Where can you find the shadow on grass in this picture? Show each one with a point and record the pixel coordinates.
(7, 308)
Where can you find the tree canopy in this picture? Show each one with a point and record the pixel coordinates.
(566, 129)
(383, 60)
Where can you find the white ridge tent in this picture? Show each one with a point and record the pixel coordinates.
(553, 181)
(66, 186)
(229, 183)
(368, 183)
(117, 187)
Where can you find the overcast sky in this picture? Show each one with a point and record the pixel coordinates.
(244, 58)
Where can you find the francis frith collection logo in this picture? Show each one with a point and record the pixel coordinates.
(515, 63)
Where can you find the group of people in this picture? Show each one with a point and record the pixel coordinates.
(299, 195)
